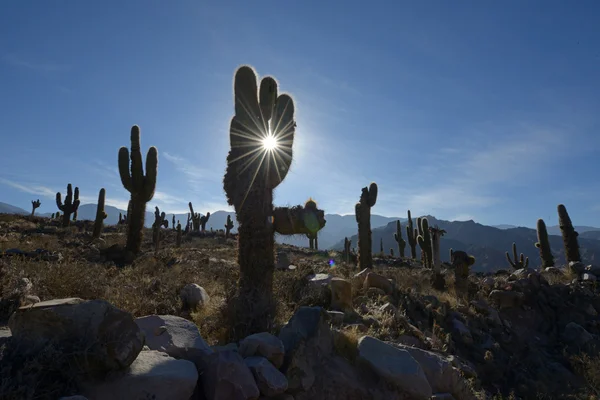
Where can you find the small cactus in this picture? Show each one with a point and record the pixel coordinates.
(368, 198)
(228, 226)
(399, 239)
(347, 250)
(544, 244)
(391, 252)
(519, 262)
(35, 204)
(569, 235)
(140, 186)
(412, 235)
(178, 239)
(100, 214)
(160, 219)
(173, 223)
(70, 205)
(424, 240)
(381, 247)
(461, 262)
(52, 216)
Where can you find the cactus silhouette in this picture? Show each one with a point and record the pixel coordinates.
(347, 245)
(424, 240)
(160, 219)
(140, 186)
(411, 234)
(368, 198)
(398, 238)
(35, 204)
(519, 262)
(70, 205)
(100, 214)
(253, 171)
(178, 239)
(544, 244)
(204, 220)
(569, 235)
(228, 226)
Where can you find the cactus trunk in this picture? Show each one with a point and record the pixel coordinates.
(544, 244)
(368, 199)
(569, 235)
(100, 214)
(135, 224)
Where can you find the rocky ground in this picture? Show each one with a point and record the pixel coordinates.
(157, 329)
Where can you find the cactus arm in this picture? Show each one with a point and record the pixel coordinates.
(151, 173)
(124, 168)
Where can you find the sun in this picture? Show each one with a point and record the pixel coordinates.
(269, 143)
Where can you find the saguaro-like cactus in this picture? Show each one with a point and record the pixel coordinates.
(381, 247)
(424, 240)
(461, 262)
(139, 185)
(204, 220)
(519, 262)
(368, 198)
(70, 206)
(160, 219)
(399, 239)
(35, 204)
(173, 223)
(411, 234)
(544, 244)
(438, 282)
(347, 246)
(569, 235)
(253, 170)
(228, 226)
(194, 218)
(100, 214)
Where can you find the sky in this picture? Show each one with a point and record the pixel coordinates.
(458, 109)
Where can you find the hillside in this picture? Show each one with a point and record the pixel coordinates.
(10, 209)
(486, 243)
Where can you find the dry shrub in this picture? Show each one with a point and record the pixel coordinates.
(589, 368)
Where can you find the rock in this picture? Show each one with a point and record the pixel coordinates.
(488, 282)
(506, 299)
(103, 336)
(228, 377)
(193, 296)
(440, 373)
(265, 345)
(411, 341)
(375, 293)
(395, 366)
(270, 381)
(577, 266)
(360, 276)
(320, 279)
(576, 334)
(462, 330)
(341, 294)
(521, 273)
(228, 346)
(153, 375)
(307, 340)
(377, 281)
(337, 317)
(591, 311)
(175, 336)
(588, 277)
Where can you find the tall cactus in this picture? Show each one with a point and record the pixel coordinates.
(70, 206)
(347, 250)
(381, 247)
(228, 226)
(368, 198)
(424, 240)
(100, 214)
(178, 239)
(399, 239)
(140, 186)
(253, 171)
(35, 204)
(519, 262)
(173, 223)
(544, 244)
(204, 220)
(438, 282)
(569, 235)
(411, 234)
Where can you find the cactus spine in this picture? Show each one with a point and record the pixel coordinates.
(399, 239)
(140, 186)
(100, 214)
(70, 206)
(228, 226)
(368, 198)
(35, 204)
(251, 175)
(544, 245)
(424, 240)
(519, 262)
(569, 235)
(412, 235)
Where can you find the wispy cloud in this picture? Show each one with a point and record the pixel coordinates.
(194, 174)
(37, 190)
(39, 66)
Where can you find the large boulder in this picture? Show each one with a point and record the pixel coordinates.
(102, 337)
(227, 377)
(153, 375)
(374, 280)
(307, 341)
(193, 296)
(271, 382)
(175, 336)
(265, 345)
(395, 366)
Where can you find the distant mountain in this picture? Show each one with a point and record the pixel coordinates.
(488, 244)
(8, 209)
(594, 235)
(555, 229)
(504, 226)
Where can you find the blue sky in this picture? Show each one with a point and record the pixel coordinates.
(459, 109)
